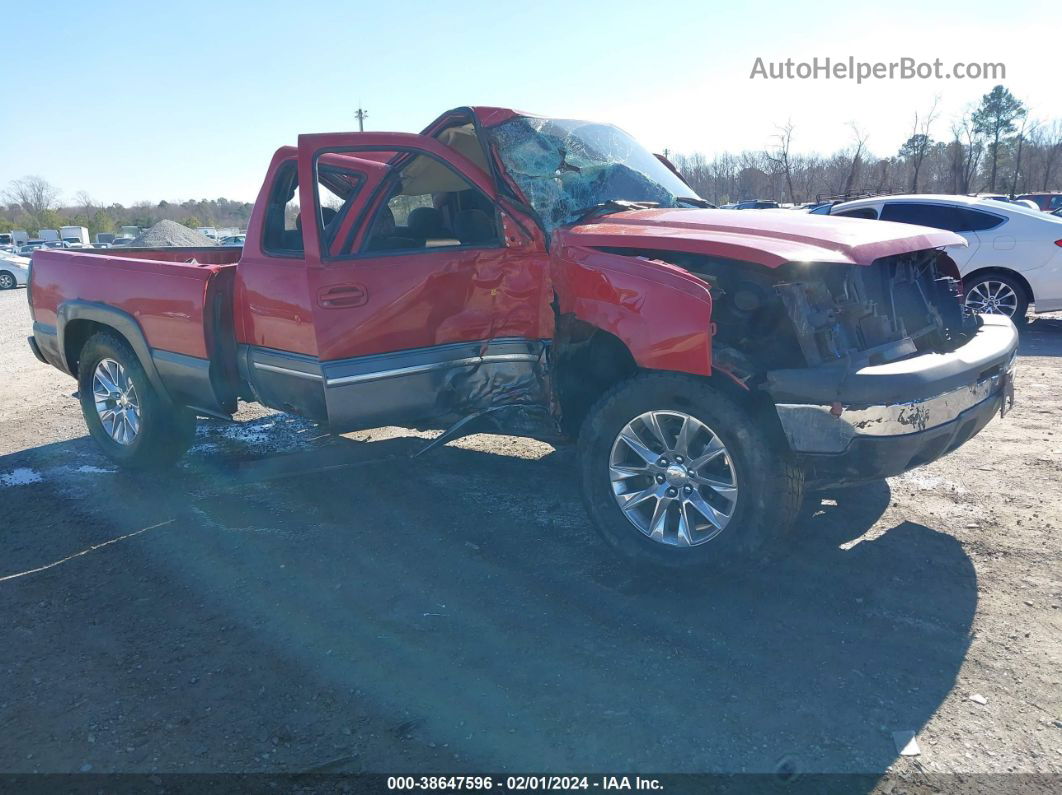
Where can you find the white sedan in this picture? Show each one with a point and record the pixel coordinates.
(14, 271)
(1014, 256)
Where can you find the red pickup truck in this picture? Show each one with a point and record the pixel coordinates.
(551, 278)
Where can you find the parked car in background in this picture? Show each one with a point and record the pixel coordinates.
(232, 240)
(1013, 256)
(14, 271)
(30, 247)
(756, 204)
(6, 239)
(1048, 202)
(1000, 197)
(121, 241)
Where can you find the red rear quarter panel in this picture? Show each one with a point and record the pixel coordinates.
(166, 298)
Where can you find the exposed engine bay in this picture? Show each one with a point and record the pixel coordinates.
(815, 314)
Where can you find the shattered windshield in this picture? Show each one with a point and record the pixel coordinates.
(565, 167)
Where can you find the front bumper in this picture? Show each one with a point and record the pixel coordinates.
(929, 405)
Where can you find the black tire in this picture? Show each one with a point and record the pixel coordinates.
(1021, 306)
(771, 486)
(165, 431)
(7, 281)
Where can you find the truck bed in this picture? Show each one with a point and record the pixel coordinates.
(174, 306)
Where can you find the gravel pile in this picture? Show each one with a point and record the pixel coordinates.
(170, 233)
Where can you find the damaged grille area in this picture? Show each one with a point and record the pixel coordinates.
(814, 314)
(895, 307)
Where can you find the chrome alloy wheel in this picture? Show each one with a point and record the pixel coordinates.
(7, 281)
(992, 297)
(116, 401)
(673, 478)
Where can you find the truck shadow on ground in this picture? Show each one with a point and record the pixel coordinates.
(457, 612)
(1042, 336)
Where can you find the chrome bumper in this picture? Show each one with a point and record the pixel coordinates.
(831, 429)
(985, 368)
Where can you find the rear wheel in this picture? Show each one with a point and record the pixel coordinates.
(997, 294)
(129, 420)
(676, 473)
(7, 281)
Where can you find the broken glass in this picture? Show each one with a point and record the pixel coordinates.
(565, 167)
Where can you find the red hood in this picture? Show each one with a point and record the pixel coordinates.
(766, 237)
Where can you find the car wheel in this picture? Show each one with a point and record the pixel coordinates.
(7, 281)
(129, 420)
(676, 473)
(997, 294)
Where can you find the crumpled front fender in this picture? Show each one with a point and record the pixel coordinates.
(662, 313)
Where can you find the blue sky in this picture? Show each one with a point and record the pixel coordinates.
(144, 101)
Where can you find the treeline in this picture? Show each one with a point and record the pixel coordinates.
(31, 203)
(997, 146)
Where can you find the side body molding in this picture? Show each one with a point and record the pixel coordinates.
(440, 384)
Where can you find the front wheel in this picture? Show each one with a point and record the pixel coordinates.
(129, 420)
(7, 281)
(677, 473)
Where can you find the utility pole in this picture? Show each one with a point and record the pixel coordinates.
(361, 115)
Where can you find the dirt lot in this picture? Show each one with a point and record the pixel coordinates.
(251, 612)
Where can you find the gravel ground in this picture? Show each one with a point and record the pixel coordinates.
(285, 601)
(170, 233)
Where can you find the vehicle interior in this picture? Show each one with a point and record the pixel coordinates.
(429, 205)
(423, 203)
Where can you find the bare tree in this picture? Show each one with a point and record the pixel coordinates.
(35, 195)
(1017, 156)
(857, 156)
(915, 148)
(1050, 144)
(966, 149)
(780, 157)
(883, 175)
(84, 201)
